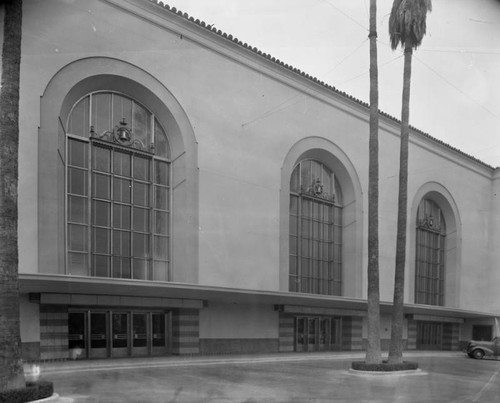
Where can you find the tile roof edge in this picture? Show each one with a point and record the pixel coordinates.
(214, 30)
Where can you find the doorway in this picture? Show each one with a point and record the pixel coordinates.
(317, 333)
(103, 334)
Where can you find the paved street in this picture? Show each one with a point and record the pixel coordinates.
(444, 377)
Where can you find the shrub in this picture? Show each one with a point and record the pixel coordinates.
(32, 391)
(384, 366)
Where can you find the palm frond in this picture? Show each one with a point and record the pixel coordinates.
(407, 22)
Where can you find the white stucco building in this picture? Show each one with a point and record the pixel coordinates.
(167, 205)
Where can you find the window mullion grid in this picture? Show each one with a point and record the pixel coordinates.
(149, 230)
(132, 229)
(298, 277)
(89, 204)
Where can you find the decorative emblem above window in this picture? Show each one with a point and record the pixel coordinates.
(122, 135)
(317, 190)
(429, 223)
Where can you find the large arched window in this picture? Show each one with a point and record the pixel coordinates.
(430, 254)
(315, 230)
(117, 190)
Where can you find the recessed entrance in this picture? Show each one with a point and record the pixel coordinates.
(102, 334)
(317, 333)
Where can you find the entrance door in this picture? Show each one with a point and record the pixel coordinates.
(323, 340)
(139, 333)
(312, 331)
(300, 334)
(159, 332)
(77, 335)
(429, 336)
(98, 335)
(120, 334)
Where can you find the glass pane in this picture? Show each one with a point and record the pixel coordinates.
(101, 240)
(141, 245)
(101, 112)
(305, 173)
(121, 243)
(101, 266)
(140, 269)
(141, 194)
(161, 173)
(141, 127)
(98, 330)
(102, 186)
(122, 109)
(161, 198)
(120, 330)
(295, 180)
(162, 223)
(101, 159)
(77, 181)
(160, 271)
(158, 330)
(121, 189)
(121, 163)
(77, 209)
(294, 205)
(161, 248)
(77, 153)
(76, 330)
(77, 237)
(139, 330)
(78, 264)
(102, 212)
(161, 143)
(78, 123)
(315, 171)
(121, 267)
(121, 216)
(141, 219)
(141, 168)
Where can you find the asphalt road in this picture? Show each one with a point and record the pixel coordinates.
(313, 378)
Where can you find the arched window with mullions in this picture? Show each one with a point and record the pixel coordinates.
(430, 254)
(117, 190)
(315, 260)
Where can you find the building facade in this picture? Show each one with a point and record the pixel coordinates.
(182, 193)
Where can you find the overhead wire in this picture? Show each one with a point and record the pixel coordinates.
(456, 88)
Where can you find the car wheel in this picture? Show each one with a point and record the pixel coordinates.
(478, 354)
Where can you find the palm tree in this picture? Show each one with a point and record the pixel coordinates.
(11, 369)
(373, 354)
(407, 27)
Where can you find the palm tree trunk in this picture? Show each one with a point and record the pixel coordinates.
(11, 369)
(396, 344)
(373, 354)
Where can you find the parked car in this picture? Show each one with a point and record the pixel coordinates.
(478, 349)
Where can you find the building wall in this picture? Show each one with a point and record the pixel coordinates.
(233, 153)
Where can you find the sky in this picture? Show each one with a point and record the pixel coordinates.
(455, 87)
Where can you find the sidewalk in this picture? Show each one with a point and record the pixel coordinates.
(54, 367)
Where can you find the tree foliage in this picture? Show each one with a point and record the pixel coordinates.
(408, 22)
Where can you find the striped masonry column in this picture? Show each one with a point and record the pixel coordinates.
(412, 335)
(185, 331)
(352, 333)
(53, 332)
(286, 332)
(450, 336)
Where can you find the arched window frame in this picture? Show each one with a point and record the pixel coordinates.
(315, 237)
(430, 254)
(148, 174)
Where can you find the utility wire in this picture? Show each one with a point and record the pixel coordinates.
(347, 15)
(283, 105)
(456, 88)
